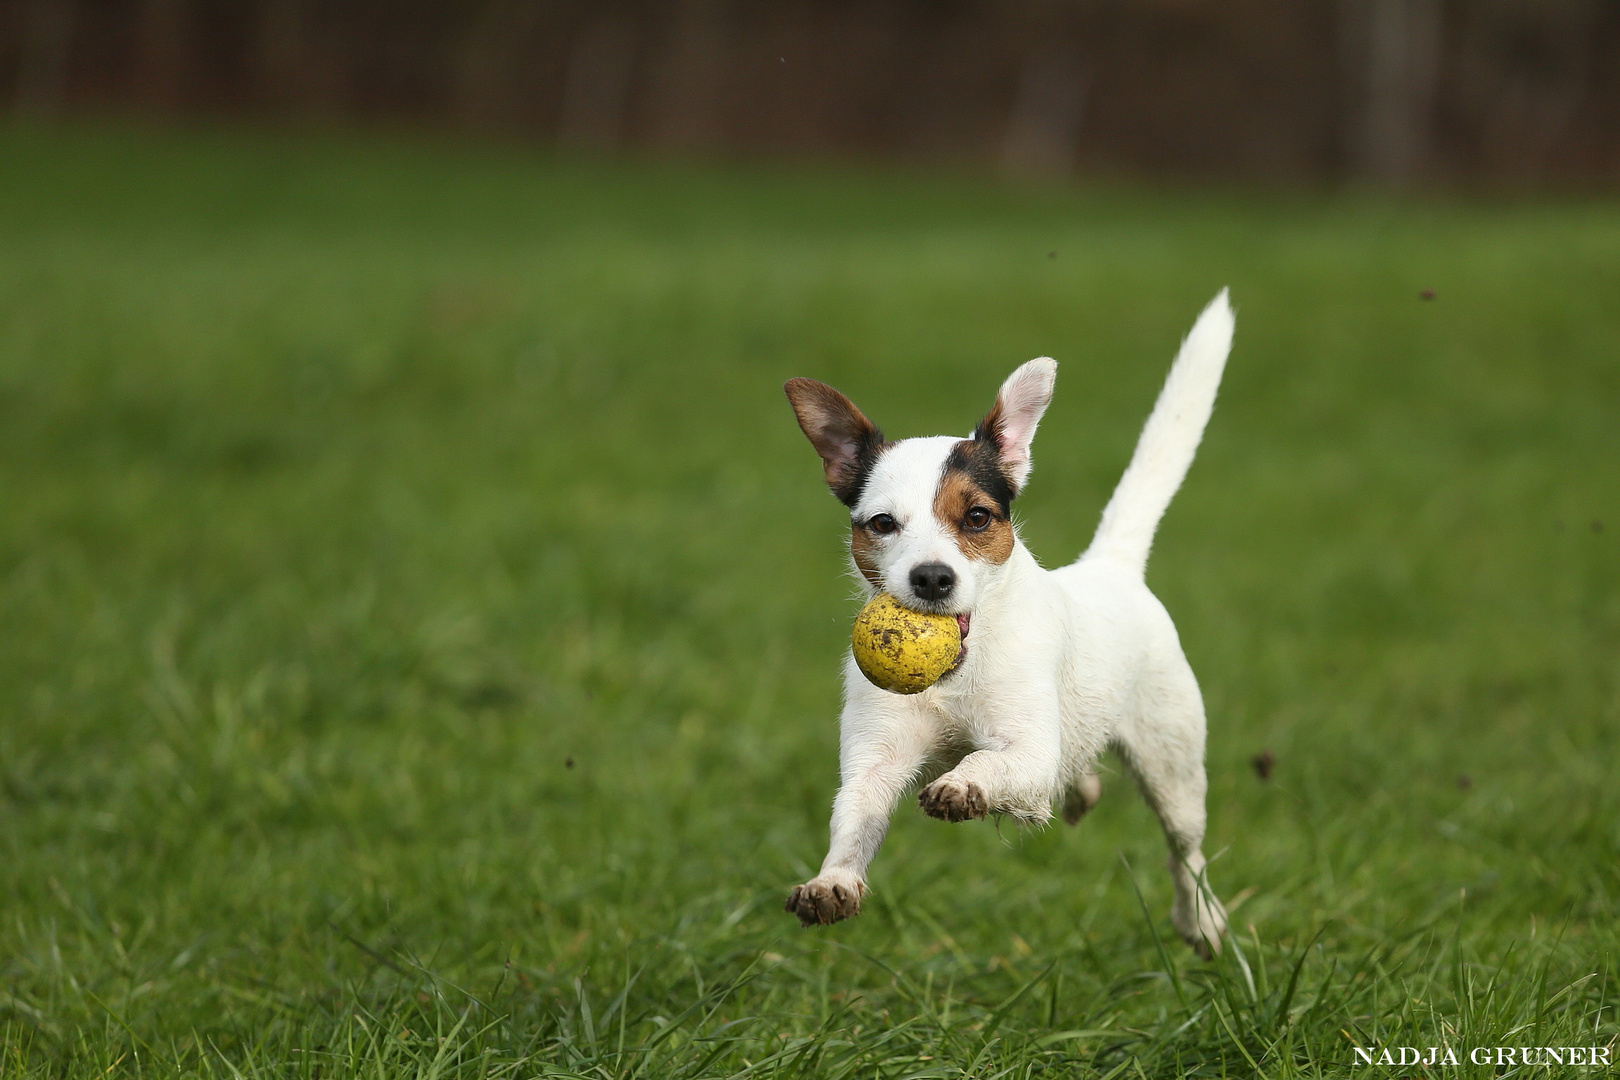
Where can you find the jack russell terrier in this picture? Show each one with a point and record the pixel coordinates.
(1061, 664)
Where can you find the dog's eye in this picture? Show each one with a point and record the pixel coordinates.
(882, 523)
(977, 518)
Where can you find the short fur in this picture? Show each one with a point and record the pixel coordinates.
(1060, 665)
(959, 494)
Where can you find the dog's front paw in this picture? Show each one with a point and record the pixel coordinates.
(953, 800)
(823, 901)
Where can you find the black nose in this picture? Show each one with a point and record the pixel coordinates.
(933, 581)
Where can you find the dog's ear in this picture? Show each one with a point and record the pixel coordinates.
(1010, 423)
(846, 440)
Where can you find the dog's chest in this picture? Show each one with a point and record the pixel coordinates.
(963, 720)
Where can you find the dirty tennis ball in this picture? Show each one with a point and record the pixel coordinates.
(904, 651)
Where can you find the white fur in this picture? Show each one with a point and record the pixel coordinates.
(1169, 440)
(1061, 664)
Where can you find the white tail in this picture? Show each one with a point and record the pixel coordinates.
(1169, 441)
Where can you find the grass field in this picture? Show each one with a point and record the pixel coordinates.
(419, 616)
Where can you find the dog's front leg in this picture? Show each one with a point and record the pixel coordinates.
(882, 752)
(1015, 771)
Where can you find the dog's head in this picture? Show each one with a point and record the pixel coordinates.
(930, 518)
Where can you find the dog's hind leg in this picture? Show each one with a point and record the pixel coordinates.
(1082, 794)
(1164, 747)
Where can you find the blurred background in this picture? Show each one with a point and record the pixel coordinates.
(1389, 92)
(420, 615)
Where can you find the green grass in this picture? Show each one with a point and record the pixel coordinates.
(419, 618)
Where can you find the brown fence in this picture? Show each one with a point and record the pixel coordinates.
(1388, 91)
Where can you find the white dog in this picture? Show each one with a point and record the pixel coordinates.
(1057, 665)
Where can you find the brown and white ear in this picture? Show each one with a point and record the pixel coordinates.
(1011, 422)
(846, 440)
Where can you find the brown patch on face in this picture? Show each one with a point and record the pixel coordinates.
(863, 547)
(958, 497)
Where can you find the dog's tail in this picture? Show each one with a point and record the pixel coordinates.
(1168, 442)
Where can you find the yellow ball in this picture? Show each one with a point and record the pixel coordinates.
(904, 651)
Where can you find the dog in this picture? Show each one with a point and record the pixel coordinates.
(1056, 666)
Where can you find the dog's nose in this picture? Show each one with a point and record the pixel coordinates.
(933, 581)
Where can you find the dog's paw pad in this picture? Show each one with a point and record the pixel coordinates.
(953, 800)
(819, 902)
